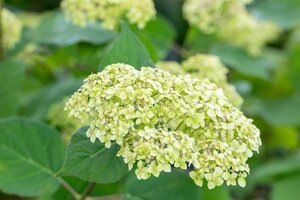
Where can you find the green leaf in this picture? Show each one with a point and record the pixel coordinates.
(127, 49)
(92, 161)
(276, 168)
(219, 193)
(293, 59)
(285, 13)
(197, 41)
(158, 37)
(287, 188)
(246, 64)
(55, 29)
(38, 105)
(31, 154)
(11, 76)
(285, 111)
(176, 186)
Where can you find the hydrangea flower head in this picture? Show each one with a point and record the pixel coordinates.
(109, 12)
(162, 120)
(205, 66)
(12, 29)
(228, 18)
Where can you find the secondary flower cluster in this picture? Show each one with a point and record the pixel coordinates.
(162, 120)
(59, 118)
(205, 66)
(109, 12)
(228, 18)
(12, 29)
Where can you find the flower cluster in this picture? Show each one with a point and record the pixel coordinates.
(12, 29)
(162, 120)
(204, 66)
(59, 118)
(227, 18)
(109, 12)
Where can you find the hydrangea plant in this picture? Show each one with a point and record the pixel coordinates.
(228, 18)
(12, 29)
(161, 120)
(109, 12)
(205, 66)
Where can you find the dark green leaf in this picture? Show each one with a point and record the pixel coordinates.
(218, 193)
(176, 186)
(246, 64)
(276, 168)
(283, 112)
(287, 188)
(11, 76)
(38, 105)
(158, 37)
(31, 154)
(55, 29)
(92, 161)
(285, 13)
(127, 49)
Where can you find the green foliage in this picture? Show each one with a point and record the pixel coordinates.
(158, 37)
(38, 105)
(127, 49)
(31, 154)
(92, 162)
(11, 76)
(166, 186)
(285, 13)
(55, 29)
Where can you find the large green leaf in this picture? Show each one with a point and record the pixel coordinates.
(11, 76)
(293, 59)
(244, 63)
(283, 112)
(92, 161)
(127, 49)
(31, 154)
(55, 29)
(276, 168)
(38, 105)
(287, 188)
(158, 37)
(176, 186)
(285, 13)
(219, 193)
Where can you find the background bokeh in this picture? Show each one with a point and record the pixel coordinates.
(54, 66)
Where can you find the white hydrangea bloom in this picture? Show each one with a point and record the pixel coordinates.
(162, 120)
(231, 22)
(109, 12)
(12, 29)
(205, 66)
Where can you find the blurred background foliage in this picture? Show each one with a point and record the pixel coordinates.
(56, 55)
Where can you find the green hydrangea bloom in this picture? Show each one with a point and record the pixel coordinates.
(109, 12)
(204, 66)
(162, 120)
(12, 29)
(249, 33)
(59, 118)
(228, 18)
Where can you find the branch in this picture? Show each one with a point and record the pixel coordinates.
(87, 191)
(108, 197)
(69, 188)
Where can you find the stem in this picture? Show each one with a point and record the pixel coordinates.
(1, 31)
(69, 188)
(176, 129)
(87, 190)
(108, 197)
